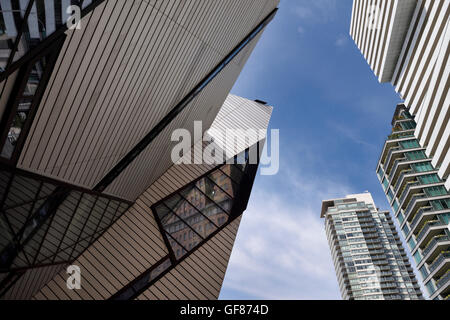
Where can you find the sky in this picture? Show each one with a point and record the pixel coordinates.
(333, 118)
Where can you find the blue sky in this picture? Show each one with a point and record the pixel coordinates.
(333, 117)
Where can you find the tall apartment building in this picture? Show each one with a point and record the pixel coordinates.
(86, 170)
(406, 43)
(420, 202)
(367, 252)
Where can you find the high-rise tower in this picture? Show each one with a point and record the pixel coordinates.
(407, 43)
(420, 201)
(368, 254)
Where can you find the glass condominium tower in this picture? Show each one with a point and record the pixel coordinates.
(367, 252)
(420, 201)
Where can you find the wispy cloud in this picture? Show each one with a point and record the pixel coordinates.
(341, 41)
(350, 134)
(281, 251)
(317, 11)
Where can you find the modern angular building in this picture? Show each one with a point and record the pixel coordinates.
(367, 252)
(87, 175)
(406, 43)
(420, 202)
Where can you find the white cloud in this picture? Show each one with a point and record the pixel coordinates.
(315, 11)
(341, 41)
(281, 251)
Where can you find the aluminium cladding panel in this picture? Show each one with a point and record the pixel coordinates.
(423, 79)
(421, 54)
(128, 248)
(121, 73)
(32, 281)
(379, 28)
(240, 114)
(199, 276)
(156, 158)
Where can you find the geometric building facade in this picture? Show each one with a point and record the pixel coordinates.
(368, 255)
(420, 202)
(88, 109)
(406, 43)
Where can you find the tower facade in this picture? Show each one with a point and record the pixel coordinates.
(420, 201)
(406, 43)
(91, 94)
(368, 256)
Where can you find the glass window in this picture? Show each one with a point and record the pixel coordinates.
(416, 155)
(412, 243)
(385, 183)
(380, 172)
(435, 191)
(405, 230)
(400, 217)
(422, 167)
(408, 125)
(429, 179)
(445, 218)
(430, 287)
(441, 204)
(409, 144)
(417, 257)
(395, 205)
(423, 272)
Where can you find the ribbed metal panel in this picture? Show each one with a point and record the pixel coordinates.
(134, 243)
(31, 282)
(157, 157)
(379, 29)
(200, 276)
(120, 75)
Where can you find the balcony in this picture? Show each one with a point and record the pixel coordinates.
(389, 155)
(440, 258)
(390, 291)
(413, 202)
(420, 213)
(395, 166)
(387, 279)
(426, 228)
(443, 280)
(405, 192)
(369, 230)
(435, 241)
(381, 262)
(398, 182)
(400, 135)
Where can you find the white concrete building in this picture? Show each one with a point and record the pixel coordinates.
(406, 43)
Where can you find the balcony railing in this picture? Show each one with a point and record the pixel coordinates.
(443, 280)
(395, 166)
(426, 227)
(430, 245)
(400, 135)
(419, 215)
(444, 255)
(406, 191)
(389, 155)
(399, 180)
(412, 203)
